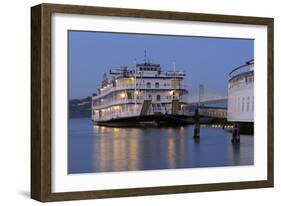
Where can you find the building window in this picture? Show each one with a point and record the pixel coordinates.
(243, 104)
(123, 95)
(148, 85)
(157, 85)
(158, 97)
(174, 96)
(130, 95)
(252, 104)
(149, 96)
(248, 104)
(238, 104)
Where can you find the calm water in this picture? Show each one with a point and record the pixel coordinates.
(103, 149)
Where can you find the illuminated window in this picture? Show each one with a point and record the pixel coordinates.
(123, 95)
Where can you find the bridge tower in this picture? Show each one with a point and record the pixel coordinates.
(201, 94)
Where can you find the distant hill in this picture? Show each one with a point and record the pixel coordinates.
(79, 108)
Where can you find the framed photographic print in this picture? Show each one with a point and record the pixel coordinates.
(130, 102)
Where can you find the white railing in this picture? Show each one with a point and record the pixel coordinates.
(136, 112)
(115, 102)
(139, 100)
(106, 91)
(116, 115)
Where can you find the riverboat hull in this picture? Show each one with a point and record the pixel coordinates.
(146, 121)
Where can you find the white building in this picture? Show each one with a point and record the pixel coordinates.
(241, 94)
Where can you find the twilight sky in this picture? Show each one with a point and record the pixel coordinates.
(205, 60)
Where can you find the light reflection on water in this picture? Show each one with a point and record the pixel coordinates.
(103, 149)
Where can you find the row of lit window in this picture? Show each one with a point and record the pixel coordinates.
(249, 78)
(216, 113)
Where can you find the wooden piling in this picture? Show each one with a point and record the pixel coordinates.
(236, 133)
(196, 134)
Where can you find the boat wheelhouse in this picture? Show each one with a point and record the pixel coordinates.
(140, 96)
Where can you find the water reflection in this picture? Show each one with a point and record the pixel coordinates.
(103, 149)
(115, 149)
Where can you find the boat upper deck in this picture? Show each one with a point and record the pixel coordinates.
(146, 70)
(146, 76)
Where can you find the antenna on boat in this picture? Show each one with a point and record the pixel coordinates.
(174, 67)
(145, 56)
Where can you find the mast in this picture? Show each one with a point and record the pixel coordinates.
(174, 67)
(145, 56)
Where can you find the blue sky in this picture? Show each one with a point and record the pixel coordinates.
(205, 60)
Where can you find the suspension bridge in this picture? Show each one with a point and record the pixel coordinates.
(212, 106)
(208, 101)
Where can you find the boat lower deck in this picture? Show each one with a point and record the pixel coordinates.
(156, 120)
